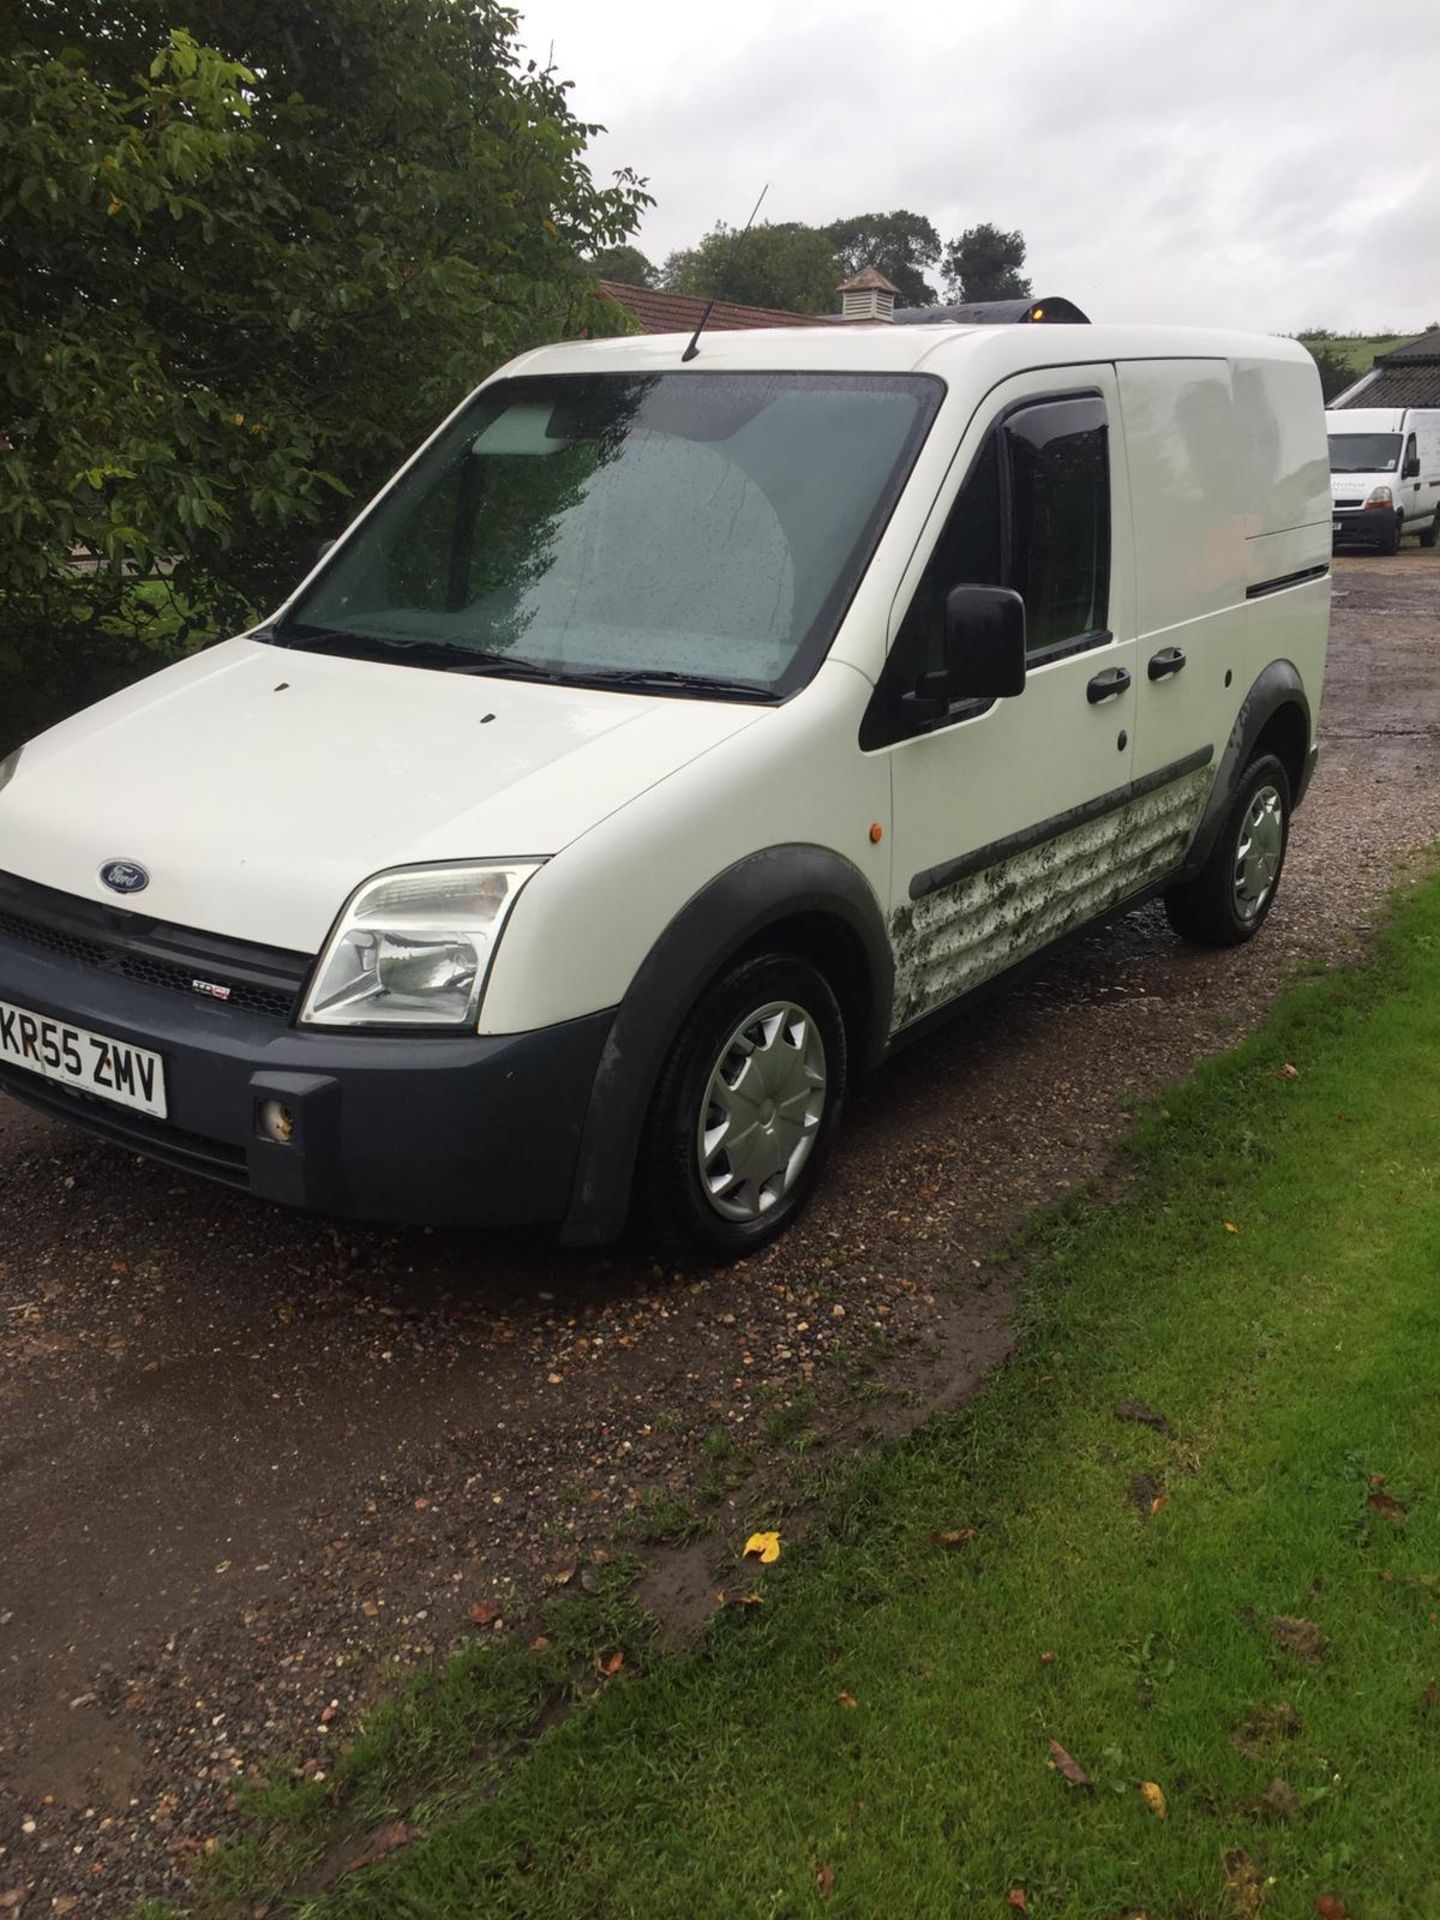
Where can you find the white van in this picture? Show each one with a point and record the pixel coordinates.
(1385, 474)
(666, 743)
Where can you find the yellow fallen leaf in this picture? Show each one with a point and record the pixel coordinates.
(1230, 1227)
(847, 1700)
(1153, 1797)
(114, 206)
(764, 1547)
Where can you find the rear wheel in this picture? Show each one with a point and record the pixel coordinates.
(1228, 900)
(745, 1110)
(1431, 533)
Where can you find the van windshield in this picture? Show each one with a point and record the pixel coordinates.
(688, 532)
(1363, 452)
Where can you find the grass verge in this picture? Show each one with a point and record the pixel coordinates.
(1229, 1590)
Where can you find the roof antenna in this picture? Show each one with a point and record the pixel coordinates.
(691, 351)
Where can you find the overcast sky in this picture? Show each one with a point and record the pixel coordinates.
(1272, 164)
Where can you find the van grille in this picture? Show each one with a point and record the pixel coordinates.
(129, 946)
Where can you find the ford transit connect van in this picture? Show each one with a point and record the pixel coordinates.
(665, 744)
(1385, 475)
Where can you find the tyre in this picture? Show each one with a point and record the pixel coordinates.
(1228, 901)
(1391, 542)
(1431, 533)
(744, 1111)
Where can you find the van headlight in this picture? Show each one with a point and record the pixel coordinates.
(413, 946)
(8, 766)
(1379, 497)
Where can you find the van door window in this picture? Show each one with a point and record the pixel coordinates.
(1033, 514)
(1059, 533)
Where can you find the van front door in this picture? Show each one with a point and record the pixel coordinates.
(1012, 819)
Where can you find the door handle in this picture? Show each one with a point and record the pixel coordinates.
(1106, 685)
(1167, 661)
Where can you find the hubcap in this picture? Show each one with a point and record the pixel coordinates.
(761, 1112)
(1257, 854)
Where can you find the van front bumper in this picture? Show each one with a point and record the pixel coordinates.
(1353, 524)
(447, 1130)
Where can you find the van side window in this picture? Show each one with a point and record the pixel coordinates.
(970, 551)
(1059, 544)
(1032, 514)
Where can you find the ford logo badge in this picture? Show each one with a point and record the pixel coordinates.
(124, 876)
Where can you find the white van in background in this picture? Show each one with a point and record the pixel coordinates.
(1385, 474)
(678, 733)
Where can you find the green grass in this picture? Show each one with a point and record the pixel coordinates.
(1294, 1358)
(1361, 349)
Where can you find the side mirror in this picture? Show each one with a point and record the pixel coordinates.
(984, 643)
(1412, 468)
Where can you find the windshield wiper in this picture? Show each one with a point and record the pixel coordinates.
(667, 677)
(413, 653)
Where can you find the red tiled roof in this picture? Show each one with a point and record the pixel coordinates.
(681, 312)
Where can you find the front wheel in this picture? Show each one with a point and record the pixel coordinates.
(745, 1110)
(1228, 901)
(1391, 542)
(1431, 534)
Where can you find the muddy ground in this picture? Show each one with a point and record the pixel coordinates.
(251, 1462)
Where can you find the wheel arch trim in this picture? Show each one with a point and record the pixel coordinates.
(729, 914)
(1275, 688)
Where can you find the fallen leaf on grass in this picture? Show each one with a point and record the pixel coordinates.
(1287, 1072)
(610, 1665)
(847, 1700)
(1147, 1494)
(957, 1537)
(1016, 1899)
(384, 1841)
(1230, 1227)
(1300, 1637)
(1330, 1907)
(764, 1547)
(724, 1599)
(1047, 1659)
(1385, 1504)
(825, 1882)
(539, 1643)
(1430, 1695)
(484, 1613)
(1067, 1767)
(1244, 1886)
(558, 1577)
(1153, 1796)
(1142, 1416)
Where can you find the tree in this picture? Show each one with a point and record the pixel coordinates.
(1336, 372)
(240, 277)
(627, 265)
(900, 244)
(984, 264)
(786, 265)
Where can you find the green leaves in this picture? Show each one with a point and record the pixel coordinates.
(252, 253)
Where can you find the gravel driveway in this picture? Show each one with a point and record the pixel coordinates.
(250, 1462)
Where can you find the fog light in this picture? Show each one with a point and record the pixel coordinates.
(277, 1123)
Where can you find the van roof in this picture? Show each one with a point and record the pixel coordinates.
(992, 350)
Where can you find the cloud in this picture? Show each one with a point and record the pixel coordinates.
(1264, 167)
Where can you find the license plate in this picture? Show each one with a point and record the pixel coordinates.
(130, 1076)
(1337, 526)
